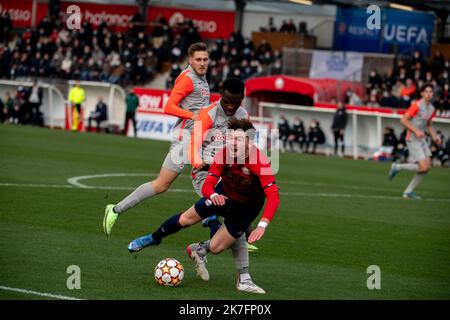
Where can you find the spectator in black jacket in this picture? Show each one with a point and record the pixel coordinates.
(388, 100)
(298, 130)
(374, 81)
(315, 136)
(99, 115)
(389, 138)
(338, 127)
(21, 107)
(284, 130)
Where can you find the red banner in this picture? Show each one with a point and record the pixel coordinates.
(21, 12)
(116, 16)
(210, 24)
(154, 100)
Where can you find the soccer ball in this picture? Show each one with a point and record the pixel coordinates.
(169, 272)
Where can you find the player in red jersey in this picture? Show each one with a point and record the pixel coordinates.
(246, 181)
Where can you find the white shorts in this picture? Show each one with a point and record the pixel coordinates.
(175, 159)
(418, 150)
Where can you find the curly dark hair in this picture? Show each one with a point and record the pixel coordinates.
(243, 124)
(426, 85)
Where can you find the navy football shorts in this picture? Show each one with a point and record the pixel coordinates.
(238, 216)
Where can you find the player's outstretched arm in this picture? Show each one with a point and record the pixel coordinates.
(265, 175)
(258, 233)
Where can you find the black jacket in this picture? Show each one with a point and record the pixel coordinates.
(339, 119)
(316, 135)
(102, 111)
(298, 130)
(283, 127)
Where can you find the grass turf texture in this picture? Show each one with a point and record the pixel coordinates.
(336, 218)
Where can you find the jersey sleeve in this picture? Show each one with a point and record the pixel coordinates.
(214, 174)
(203, 124)
(182, 88)
(268, 183)
(412, 110)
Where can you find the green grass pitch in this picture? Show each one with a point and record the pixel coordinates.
(336, 218)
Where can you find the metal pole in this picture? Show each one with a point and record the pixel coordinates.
(110, 101)
(50, 102)
(355, 139)
(379, 130)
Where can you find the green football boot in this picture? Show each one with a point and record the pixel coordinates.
(109, 219)
(252, 248)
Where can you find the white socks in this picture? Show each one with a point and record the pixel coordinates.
(408, 167)
(416, 180)
(141, 193)
(240, 253)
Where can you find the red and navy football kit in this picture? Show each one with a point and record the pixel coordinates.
(246, 185)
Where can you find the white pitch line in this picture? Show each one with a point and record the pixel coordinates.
(75, 180)
(299, 194)
(42, 294)
(361, 196)
(353, 187)
(35, 185)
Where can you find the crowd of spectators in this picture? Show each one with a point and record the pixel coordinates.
(133, 57)
(235, 57)
(130, 57)
(400, 85)
(50, 50)
(136, 55)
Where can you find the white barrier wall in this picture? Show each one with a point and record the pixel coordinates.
(53, 100)
(364, 132)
